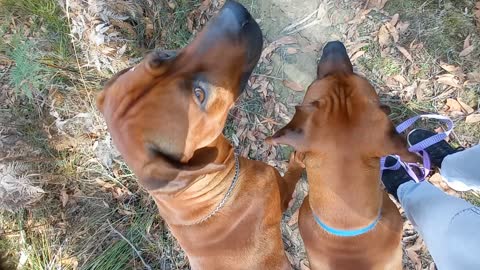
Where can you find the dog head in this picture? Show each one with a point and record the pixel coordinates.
(342, 113)
(165, 112)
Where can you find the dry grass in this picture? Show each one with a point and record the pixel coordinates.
(93, 215)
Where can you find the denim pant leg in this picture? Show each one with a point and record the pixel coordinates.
(450, 226)
(461, 170)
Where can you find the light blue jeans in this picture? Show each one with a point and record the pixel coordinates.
(449, 226)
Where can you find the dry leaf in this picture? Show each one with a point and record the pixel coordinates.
(293, 85)
(355, 48)
(294, 218)
(409, 92)
(291, 50)
(450, 68)
(303, 266)
(473, 118)
(466, 42)
(474, 76)
(400, 79)
(453, 105)
(418, 245)
(126, 212)
(356, 56)
(477, 13)
(405, 53)
(393, 32)
(64, 197)
(465, 107)
(394, 19)
(402, 27)
(171, 5)
(383, 36)
(377, 3)
(467, 51)
(415, 259)
(448, 79)
(286, 40)
(419, 92)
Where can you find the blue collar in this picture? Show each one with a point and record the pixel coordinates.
(347, 233)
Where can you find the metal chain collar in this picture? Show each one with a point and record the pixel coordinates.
(227, 195)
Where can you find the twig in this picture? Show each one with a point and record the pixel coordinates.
(267, 76)
(304, 20)
(317, 21)
(131, 245)
(82, 77)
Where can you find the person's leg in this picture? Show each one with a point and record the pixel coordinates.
(448, 225)
(461, 170)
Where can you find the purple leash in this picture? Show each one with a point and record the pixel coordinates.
(420, 147)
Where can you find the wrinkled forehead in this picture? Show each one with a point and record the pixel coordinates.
(350, 86)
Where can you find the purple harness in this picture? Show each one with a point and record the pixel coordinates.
(419, 147)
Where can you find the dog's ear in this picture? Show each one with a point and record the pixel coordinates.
(296, 132)
(396, 144)
(166, 176)
(100, 100)
(159, 62)
(386, 109)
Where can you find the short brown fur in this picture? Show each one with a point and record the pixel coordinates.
(173, 143)
(343, 130)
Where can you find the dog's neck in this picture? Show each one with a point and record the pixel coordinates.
(344, 192)
(201, 197)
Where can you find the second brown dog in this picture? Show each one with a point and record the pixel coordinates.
(347, 221)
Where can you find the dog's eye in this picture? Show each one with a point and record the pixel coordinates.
(199, 94)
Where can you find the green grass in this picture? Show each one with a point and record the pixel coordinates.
(177, 34)
(119, 254)
(44, 13)
(28, 76)
(441, 25)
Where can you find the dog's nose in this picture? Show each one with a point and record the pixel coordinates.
(234, 15)
(334, 59)
(335, 50)
(235, 25)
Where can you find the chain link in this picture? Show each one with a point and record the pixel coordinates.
(227, 195)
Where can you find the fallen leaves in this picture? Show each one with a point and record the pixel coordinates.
(467, 51)
(405, 53)
(377, 3)
(476, 12)
(449, 79)
(457, 108)
(64, 197)
(293, 85)
(472, 118)
(383, 37)
(467, 47)
(412, 253)
(285, 40)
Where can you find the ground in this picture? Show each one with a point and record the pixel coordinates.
(68, 199)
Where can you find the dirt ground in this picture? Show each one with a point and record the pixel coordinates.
(68, 199)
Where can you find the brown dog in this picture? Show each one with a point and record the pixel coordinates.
(166, 118)
(347, 221)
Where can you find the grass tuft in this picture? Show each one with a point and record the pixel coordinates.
(28, 75)
(45, 13)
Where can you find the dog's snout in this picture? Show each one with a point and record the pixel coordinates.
(234, 16)
(234, 26)
(336, 50)
(334, 59)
